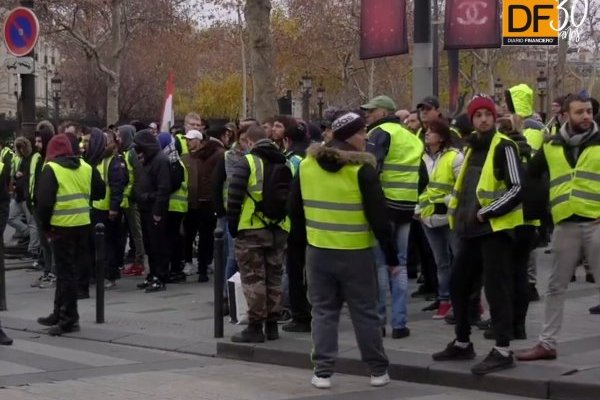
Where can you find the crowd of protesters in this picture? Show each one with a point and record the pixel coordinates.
(346, 208)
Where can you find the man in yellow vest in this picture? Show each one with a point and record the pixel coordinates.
(66, 186)
(428, 110)
(260, 241)
(5, 173)
(337, 207)
(483, 211)
(572, 160)
(403, 176)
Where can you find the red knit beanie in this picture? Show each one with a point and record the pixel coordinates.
(481, 101)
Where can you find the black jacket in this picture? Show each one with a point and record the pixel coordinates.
(153, 179)
(379, 145)
(118, 178)
(333, 157)
(267, 151)
(48, 187)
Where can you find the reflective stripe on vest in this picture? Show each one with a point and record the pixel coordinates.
(441, 182)
(73, 195)
(573, 191)
(333, 207)
(248, 217)
(488, 189)
(400, 172)
(104, 204)
(35, 159)
(178, 201)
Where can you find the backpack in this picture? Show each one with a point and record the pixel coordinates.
(277, 179)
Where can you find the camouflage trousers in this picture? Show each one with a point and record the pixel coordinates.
(260, 254)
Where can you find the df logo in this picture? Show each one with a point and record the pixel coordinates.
(538, 22)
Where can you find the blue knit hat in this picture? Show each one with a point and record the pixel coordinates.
(164, 139)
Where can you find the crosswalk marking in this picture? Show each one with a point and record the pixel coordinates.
(9, 368)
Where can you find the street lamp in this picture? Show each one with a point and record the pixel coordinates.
(306, 86)
(320, 94)
(498, 90)
(56, 84)
(542, 87)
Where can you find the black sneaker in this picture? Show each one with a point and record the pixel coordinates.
(178, 277)
(295, 326)
(48, 321)
(453, 352)
(4, 339)
(271, 330)
(285, 316)
(484, 324)
(156, 286)
(400, 333)
(432, 307)
(494, 362)
(143, 285)
(58, 329)
(252, 334)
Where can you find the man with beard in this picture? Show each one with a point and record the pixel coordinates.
(572, 159)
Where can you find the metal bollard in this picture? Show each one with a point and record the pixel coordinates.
(100, 267)
(219, 281)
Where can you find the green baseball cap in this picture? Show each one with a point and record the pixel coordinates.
(380, 102)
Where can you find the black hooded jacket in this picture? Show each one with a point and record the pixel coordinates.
(48, 187)
(267, 151)
(333, 157)
(153, 180)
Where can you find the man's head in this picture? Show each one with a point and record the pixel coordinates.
(378, 108)
(192, 121)
(579, 112)
(482, 113)
(402, 114)
(429, 109)
(154, 128)
(111, 143)
(204, 125)
(556, 106)
(281, 124)
(220, 133)
(296, 133)
(267, 125)
(254, 134)
(412, 121)
(351, 128)
(194, 140)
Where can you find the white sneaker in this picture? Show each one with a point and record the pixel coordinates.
(321, 383)
(188, 269)
(382, 380)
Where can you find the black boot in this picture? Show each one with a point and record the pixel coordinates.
(252, 334)
(4, 339)
(271, 330)
(50, 320)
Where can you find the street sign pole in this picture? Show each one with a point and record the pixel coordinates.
(28, 93)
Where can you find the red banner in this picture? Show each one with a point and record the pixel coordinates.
(473, 24)
(383, 28)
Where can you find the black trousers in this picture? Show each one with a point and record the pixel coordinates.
(70, 247)
(295, 265)
(174, 220)
(157, 245)
(525, 242)
(419, 251)
(491, 255)
(202, 222)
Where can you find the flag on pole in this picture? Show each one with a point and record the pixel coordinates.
(168, 116)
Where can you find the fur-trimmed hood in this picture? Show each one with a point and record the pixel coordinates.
(23, 147)
(334, 155)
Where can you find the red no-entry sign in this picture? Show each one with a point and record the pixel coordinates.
(21, 31)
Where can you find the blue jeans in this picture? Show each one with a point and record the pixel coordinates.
(443, 247)
(397, 285)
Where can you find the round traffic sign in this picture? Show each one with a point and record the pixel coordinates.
(21, 31)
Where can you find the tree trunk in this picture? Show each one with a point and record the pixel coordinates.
(114, 74)
(244, 113)
(258, 20)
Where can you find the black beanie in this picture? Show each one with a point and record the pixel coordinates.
(347, 125)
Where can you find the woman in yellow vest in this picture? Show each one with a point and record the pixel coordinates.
(66, 186)
(484, 210)
(443, 164)
(337, 206)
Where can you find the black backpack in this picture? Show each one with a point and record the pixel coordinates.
(275, 193)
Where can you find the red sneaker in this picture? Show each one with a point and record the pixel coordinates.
(133, 270)
(442, 310)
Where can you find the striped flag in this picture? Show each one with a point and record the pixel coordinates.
(168, 115)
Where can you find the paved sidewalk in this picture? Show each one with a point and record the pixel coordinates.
(181, 319)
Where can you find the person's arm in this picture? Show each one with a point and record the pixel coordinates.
(510, 169)
(423, 176)
(117, 181)
(236, 194)
(163, 188)
(296, 213)
(457, 164)
(218, 181)
(379, 145)
(98, 190)
(537, 166)
(46, 197)
(375, 211)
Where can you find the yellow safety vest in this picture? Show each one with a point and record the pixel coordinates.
(400, 172)
(441, 182)
(295, 162)
(104, 204)
(488, 189)
(178, 202)
(249, 218)
(35, 159)
(333, 207)
(535, 138)
(573, 191)
(183, 143)
(73, 196)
